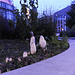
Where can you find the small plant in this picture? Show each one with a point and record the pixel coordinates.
(55, 42)
(64, 42)
(64, 39)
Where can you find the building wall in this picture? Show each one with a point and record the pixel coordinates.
(60, 18)
(7, 10)
(61, 23)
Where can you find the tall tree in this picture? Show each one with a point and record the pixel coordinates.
(46, 26)
(29, 10)
(24, 23)
(33, 13)
(71, 19)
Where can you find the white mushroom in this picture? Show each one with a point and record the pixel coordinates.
(32, 40)
(25, 54)
(7, 59)
(10, 59)
(42, 42)
(19, 59)
(33, 48)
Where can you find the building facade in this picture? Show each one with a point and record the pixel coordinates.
(6, 9)
(60, 18)
(61, 23)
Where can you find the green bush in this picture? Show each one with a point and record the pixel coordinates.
(59, 44)
(55, 42)
(64, 42)
(70, 33)
(45, 27)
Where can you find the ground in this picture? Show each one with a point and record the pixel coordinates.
(15, 49)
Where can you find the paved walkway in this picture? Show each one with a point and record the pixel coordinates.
(62, 64)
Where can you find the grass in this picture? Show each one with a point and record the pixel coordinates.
(15, 49)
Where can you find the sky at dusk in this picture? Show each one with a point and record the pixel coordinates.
(49, 5)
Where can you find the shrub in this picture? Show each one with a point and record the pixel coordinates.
(64, 42)
(70, 33)
(55, 42)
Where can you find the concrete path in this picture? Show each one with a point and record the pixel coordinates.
(62, 64)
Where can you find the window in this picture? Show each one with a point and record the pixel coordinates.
(9, 15)
(61, 26)
(61, 21)
(58, 23)
(9, 7)
(64, 20)
(0, 4)
(3, 5)
(6, 6)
